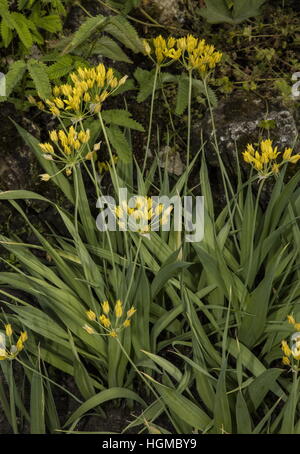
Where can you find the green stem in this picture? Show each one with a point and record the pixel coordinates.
(109, 149)
(133, 270)
(157, 69)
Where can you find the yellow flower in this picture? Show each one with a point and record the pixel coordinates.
(119, 309)
(105, 307)
(19, 344)
(127, 323)
(275, 169)
(181, 43)
(88, 329)
(91, 315)
(291, 319)
(287, 154)
(31, 99)
(285, 348)
(8, 330)
(45, 177)
(53, 136)
(24, 336)
(113, 333)
(104, 321)
(3, 354)
(294, 159)
(131, 312)
(286, 361)
(47, 147)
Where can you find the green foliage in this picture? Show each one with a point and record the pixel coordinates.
(124, 6)
(218, 11)
(26, 22)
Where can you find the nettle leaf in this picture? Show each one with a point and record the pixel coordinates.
(109, 48)
(51, 23)
(145, 79)
(60, 68)
(14, 75)
(182, 94)
(38, 72)
(126, 6)
(21, 4)
(22, 29)
(244, 9)
(6, 16)
(217, 11)
(199, 89)
(6, 33)
(120, 143)
(121, 118)
(86, 30)
(123, 31)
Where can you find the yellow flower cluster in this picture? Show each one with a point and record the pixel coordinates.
(294, 349)
(84, 95)
(111, 320)
(164, 50)
(198, 55)
(142, 214)
(14, 349)
(265, 161)
(193, 53)
(69, 148)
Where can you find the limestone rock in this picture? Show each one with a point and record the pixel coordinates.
(166, 12)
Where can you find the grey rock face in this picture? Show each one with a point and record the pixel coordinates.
(167, 12)
(239, 120)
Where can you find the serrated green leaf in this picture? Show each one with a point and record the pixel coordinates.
(145, 79)
(217, 11)
(60, 68)
(120, 143)
(22, 29)
(121, 118)
(14, 75)
(52, 23)
(38, 72)
(6, 33)
(123, 31)
(86, 30)
(107, 47)
(182, 94)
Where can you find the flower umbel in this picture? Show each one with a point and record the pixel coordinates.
(69, 148)
(84, 95)
(9, 349)
(198, 55)
(291, 351)
(192, 52)
(265, 160)
(162, 51)
(110, 324)
(142, 214)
